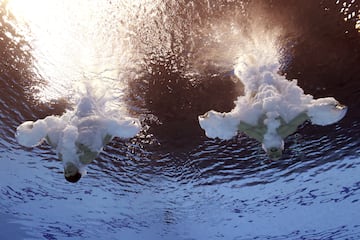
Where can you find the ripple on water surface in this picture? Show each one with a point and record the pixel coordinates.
(171, 182)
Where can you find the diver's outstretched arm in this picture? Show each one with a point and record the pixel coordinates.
(256, 132)
(289, 128)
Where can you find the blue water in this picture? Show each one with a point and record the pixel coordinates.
(171, 182)
(224, 199)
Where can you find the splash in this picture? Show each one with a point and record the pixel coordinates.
(272, 107)
(74, 43)
(79, 135)
(83, 52)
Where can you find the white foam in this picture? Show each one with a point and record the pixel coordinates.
(268, 97)
(325, 111)
(89, 123)
(30, 134)
(223, 126)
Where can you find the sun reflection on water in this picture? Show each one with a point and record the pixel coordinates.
(351, 11)
(75, 42)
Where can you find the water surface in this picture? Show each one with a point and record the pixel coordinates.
(171, 61)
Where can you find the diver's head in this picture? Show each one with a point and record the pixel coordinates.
(274, 153)
(273, 147)
(72, 173)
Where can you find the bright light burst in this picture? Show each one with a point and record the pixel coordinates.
(73, 42)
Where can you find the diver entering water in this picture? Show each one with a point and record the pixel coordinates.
(78, 136)
(274, 147)
(271, 131)
(271, 108)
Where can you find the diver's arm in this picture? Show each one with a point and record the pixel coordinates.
(287, 129)
(51, 143)
(87, 155)
(256, 132)
(107, 139)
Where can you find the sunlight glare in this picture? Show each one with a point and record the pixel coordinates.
(73, 42)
